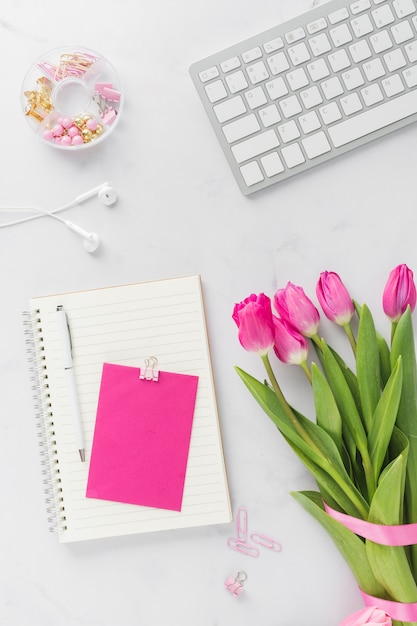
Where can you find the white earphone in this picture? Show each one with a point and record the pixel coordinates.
(107, 196)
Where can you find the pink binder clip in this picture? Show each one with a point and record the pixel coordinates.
(235, 585)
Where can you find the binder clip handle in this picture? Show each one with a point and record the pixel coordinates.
(150, 371)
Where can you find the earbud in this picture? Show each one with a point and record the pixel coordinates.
(105, 192)
(91, 240)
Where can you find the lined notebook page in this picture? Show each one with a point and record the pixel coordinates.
(125, 325)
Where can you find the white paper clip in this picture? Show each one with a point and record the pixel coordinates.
(242, 523)
(241, 546)
(150, 371)
(266, 542)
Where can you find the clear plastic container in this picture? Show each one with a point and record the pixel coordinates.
(72, 98)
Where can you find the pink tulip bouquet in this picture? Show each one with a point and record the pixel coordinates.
(361, 447)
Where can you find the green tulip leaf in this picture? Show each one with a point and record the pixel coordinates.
(368, 366)
(384, 418)
(351, 547)
(327, 413)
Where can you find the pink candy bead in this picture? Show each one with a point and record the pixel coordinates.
(92, 124)
(48, 134)
(67, 122)
(72, 131)
(77, 140)
(58, 130)
(66, 140)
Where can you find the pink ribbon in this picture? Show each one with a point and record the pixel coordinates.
(401, 611)
(397, 535)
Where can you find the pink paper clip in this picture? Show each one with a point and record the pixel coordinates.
(266, 541)
(242, 523)
(241, 546)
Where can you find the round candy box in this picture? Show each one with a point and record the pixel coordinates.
(72, 98)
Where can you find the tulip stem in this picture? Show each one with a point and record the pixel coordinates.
(288, 410)
(393, 329)
(351, 337)
(306, 371)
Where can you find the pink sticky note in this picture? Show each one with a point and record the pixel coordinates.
(142, 437)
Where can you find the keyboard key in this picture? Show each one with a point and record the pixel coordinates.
(339, 60)
(373, 69)
(250, 148)
(215, 91)
(402, 32)
(392, 85)
(295, 35)
(276, 88)
(290, 106)
(332, 88)
(351, 104)
(297, 79)
(273, 45)
(318, 70)
(293, 155)
(341, 35)
(330, 113)
(209, 74)
(374, 119)
(403, 8)
(338, 16)
(278, 63)
(272, 164)
(372, 94)
(411, 51)
(257, 73)
(383, 16)
(256, 98)
(309, 122)
(317, 25)
(381, 41)
(315, 145)
(288, 131)
(410, 76)
(230, 64)
(236, 82)
(353, 78)
(269, 115)
(241, 128)
(360, 51)
(320, 45)
(359, 6)
(362, 25)
(311, 97)
(299, 54)
(395, 60)
(252, 55)
(229, 109)
(251, 173)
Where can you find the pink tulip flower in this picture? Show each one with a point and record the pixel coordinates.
(253, 317)
(289, 345)
(399, 292)
(297, 309)
(334, 298)
(371, 615)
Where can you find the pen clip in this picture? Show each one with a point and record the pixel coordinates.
(60, 309)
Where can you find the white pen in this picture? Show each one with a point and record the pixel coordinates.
(69, 373)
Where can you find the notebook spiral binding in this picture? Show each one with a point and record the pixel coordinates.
(55, 508)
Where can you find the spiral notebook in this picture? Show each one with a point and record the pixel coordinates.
(123, 326)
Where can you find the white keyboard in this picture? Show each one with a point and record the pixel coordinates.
(314, 87)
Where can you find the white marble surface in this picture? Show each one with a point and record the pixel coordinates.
(179, 212)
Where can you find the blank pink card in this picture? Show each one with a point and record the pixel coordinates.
(142, 437)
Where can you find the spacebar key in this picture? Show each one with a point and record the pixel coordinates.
(373, 119)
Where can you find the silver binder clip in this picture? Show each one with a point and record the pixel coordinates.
(150, 371)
